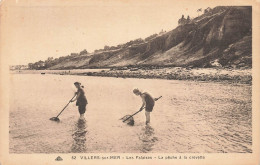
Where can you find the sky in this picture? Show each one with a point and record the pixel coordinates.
(35, 30)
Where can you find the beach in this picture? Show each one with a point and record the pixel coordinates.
(191, 116)
(228, 75)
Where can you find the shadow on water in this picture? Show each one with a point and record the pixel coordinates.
(79, 136)
(147, 139)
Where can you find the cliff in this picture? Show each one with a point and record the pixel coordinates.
(219, 37)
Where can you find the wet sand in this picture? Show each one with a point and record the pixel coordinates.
(191, 117)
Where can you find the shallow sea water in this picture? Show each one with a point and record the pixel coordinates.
(191, 117)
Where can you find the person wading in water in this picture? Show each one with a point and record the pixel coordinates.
(81, 99)
(148, 103)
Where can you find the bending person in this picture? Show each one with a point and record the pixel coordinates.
(81, 99)
(148, 103)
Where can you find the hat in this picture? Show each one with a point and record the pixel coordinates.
(136, 90)
(77, 83)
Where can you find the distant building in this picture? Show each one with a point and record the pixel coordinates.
(24, 67)
(18, 67)
(40, 64)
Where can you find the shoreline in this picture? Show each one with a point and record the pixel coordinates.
(172, 73)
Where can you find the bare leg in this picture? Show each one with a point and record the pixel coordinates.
(147, 115)
(81, 115)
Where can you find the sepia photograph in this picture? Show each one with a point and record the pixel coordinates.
(144, 78)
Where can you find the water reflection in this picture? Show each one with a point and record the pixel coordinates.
(147, 138)
(79, 136)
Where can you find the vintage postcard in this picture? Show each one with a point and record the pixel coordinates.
(129, 82)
